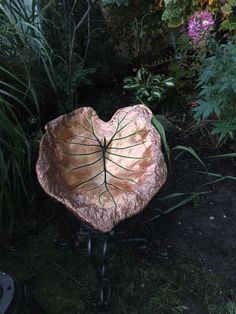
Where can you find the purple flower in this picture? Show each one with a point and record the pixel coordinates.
(199, 26)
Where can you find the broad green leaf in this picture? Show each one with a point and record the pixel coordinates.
(169, 84)
(157, 124)
(156, 94)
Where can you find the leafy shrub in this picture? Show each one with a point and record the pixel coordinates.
(217, 97)
(137, 32)
(69, 29)
(147, 87)
(44, 47)
(25, 66)
(175, 11)
(26, 57)
(80, 75)
(116, 2)
(15, 156)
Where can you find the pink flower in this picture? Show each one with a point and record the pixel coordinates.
(199, 26)
(193, 104)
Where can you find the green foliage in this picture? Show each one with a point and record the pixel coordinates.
(176, 11)
(189, 60)
(25, 67)
(15, 156)
(191, 151)
(144, 32)
(69, 29)
(80, 75)
(186, 199)
(229, 22)
(218, 91)
(223, 156)
(231, 307)
(147, 87)
(115, 2)
(183, 149)
(228, 7)
(26, 58)
(220, 177)
(137, 31)
(158, 125)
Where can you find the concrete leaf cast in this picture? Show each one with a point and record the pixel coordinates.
(104, 172)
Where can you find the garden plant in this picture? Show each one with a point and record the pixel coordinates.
(177, 58)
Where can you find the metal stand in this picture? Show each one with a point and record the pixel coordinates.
(120, 235)
(100, 268)
(104, 283)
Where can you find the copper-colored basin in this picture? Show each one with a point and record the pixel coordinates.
(104, 172)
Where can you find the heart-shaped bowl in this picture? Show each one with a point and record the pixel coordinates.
(104, 172)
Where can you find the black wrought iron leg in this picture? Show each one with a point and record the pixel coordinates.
(101, 271)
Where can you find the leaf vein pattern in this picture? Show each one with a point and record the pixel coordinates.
(106, 186)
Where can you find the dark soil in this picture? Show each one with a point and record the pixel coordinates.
(203, 234)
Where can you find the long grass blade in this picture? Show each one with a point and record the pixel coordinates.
(217, 175)
(191, 151)
(190, 197)
(223, 156)
(13, 76)
(187, 200)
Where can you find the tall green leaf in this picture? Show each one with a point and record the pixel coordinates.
(191, 151)
(157, 124)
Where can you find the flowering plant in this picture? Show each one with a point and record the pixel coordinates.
(199, 26)
(217, 84)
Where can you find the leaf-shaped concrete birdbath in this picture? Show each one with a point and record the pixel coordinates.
(104, 172)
